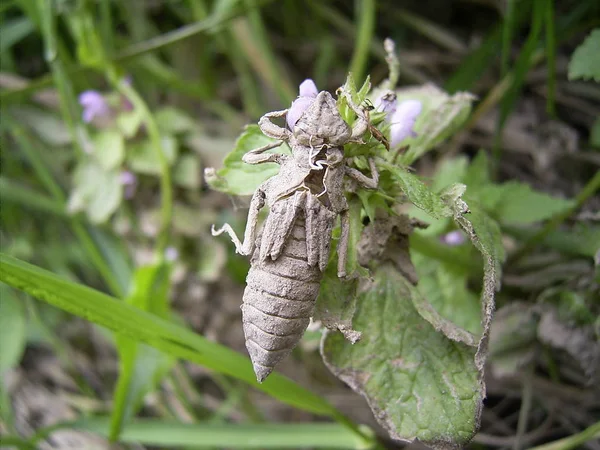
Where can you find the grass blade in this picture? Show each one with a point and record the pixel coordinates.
(144, 327)
(365, 12)
(274, 435)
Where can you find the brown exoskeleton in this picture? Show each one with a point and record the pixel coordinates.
(292, 250)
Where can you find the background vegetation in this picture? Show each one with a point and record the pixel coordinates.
(131, 331)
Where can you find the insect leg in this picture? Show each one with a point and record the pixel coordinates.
(255, 156)
(342, 247)
(270, 129)
(247, 247)
(362, 179)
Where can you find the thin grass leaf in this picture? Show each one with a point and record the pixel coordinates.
(275, 435)
(551, 57)
(141, 326)
(13, 31)
(524, 61)
(365, 13)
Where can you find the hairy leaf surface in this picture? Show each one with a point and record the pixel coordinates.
(238, 178)
(419, 384)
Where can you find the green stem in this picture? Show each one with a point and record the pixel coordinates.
(13, 192)
(366, 11)
(57, 194)
(166, 189)
(59, 73)
(588, 190)
(574, 441)
(211, 23)
(551, 56)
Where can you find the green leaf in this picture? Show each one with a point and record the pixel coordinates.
(13, 329)
(14, 30)
(585, 61)
(236, 177)
(48, 127)
(478, 173)
(336, 303)
(187, 171)
(421, 372)
(417, 192)
(161, 433)
(517, 204)
(447, 291)
(109, 149)
(595, 133)
(143, 158)
(173, 121)
(141, 367)
(419, 384)
(95, 191)
(129, 122)
(441, 116)
(144, 327)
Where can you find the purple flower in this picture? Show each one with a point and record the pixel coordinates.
(308, 92)
(453, 238)
(94, 105)
(308, 88)
(387, 103)
(403, 120)
(129, 180)
(171, 254)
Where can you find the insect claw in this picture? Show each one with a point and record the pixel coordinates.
(216, 232)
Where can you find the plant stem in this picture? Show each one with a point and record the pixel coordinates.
(366, 11)
(166, 189)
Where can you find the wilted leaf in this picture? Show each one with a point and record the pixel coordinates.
(513, 338)
(585, 62)
(441, 116)
(421, 373)
(95, 191)
(142, 156)
(187, 171)
(13, 330)
(419, 384)
(238, 178)
(417, 192)
(109, 149)
(578, 342)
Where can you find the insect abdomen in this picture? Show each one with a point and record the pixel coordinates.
(279, 300)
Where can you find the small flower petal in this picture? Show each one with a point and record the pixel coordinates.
(298, 107)
(387, 103)
(453, 238)
(403, 121)
(94, 105)
(127, 178)
(308, 88)
(171, 254)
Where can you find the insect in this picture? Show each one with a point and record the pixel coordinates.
(290, 253)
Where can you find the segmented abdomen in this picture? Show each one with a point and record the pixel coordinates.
(279, 300)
